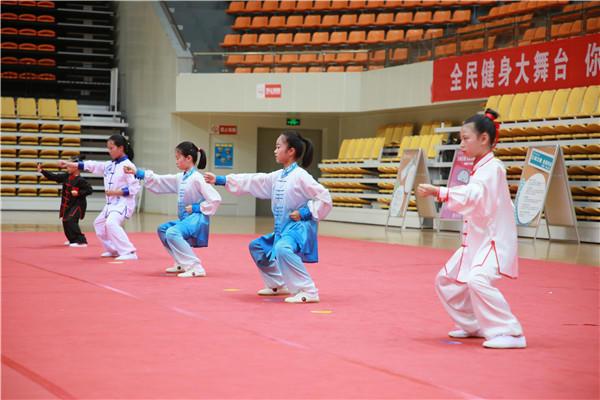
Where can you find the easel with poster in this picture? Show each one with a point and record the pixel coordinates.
(544, 186)
(460, 173)
(411, 172)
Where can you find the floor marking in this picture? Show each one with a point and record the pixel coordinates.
(36, 378)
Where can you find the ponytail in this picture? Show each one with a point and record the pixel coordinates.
(202, 160)
(190, 149)
(304, 147)
(120, 141)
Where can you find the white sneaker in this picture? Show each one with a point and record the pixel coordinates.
(108, 254)
(506, 342)
(302, 297)
(195, 271)
(78, 245)
(273, 291)
(127, 257)
(67, 243)
(174, 269)
(460, 334)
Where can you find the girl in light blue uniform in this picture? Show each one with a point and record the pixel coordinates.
(196, 202)
(298, 203)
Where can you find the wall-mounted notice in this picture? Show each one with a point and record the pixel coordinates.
(223, 155)
(268, 91)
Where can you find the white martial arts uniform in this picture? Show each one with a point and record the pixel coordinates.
(280, 255)
(191, 230)
(108, 225)
(488, 251)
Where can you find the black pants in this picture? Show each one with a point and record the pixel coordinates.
(72, 231)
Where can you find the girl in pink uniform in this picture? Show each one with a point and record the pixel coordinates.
(489, 243)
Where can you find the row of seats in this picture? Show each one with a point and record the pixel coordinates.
(277, 22)
(575, 10)
(308, 6)
(549, 104)
(41, 4)
(29, 192)
(557, 31)
(28, 76)
(8, 16)
(466, 46)
(29, 108)
(42, 141)
(26, 179)
(28, 46)
(11, 31)
(338, 38)
(571, 152)
(34, 153)
(44, 109)
(496, 26)
(286, 59)
(44, 62)
(520, 7)
(285, 70)
(27, 166)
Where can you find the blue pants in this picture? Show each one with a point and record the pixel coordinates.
(286, 270)
(173, 235)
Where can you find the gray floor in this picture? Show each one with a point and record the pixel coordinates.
(47, 221)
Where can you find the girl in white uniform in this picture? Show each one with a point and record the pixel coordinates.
(120, 189)
(196, 202)
(298, 203)
(489, 243)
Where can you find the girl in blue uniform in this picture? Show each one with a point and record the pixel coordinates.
(298, 203)
(196, 202)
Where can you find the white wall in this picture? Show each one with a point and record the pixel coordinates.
(148, 71)
(390, 88)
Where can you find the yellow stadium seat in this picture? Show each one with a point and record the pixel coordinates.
(8, 140)
(414, 142)
(28, 140)
(516, 107)
(68, 110)
(404, 144)
(504, 106)
(74, 142)
(530, 105)
(436, 140)
(425, 142)
(492, 102)
(8, 107)
(544, 104)
(28, 153)
(47, 109)
(559, 103)
(425, 129)
(591, 102)
(49, 153)
(574, 102)
(26, 108)
(50, 141)
(48, 192)
(8, 165)
(28, 166)
(9, 191)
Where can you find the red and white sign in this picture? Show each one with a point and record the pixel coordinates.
(460, 173)
(268, 91)
(551, 65)
(228, 130)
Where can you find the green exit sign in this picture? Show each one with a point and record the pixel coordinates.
(292, 122)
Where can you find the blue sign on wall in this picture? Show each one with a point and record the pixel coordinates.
(224, 155)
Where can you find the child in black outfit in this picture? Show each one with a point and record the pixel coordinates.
(73, 204)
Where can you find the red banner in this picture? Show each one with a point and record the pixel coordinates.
(550, 65)
(227, 129)
(272, 90)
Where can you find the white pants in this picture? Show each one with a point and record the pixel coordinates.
(109, 229)
(477, 306)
